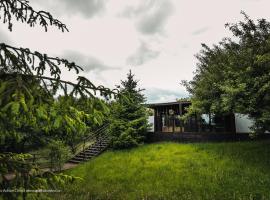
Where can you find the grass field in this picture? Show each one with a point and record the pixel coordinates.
(239, 170)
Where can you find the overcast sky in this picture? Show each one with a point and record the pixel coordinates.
(156, 39)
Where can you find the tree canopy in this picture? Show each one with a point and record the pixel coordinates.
(36, 102)
(234, 75)
(30, 82)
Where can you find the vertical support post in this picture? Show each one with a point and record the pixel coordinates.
(155, 120)
(173, 123)
(210, 122)
(84, 149)
(181, 113)
(196, 123)
(199, 123)
(232, 122)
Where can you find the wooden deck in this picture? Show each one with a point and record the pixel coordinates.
(201, 137)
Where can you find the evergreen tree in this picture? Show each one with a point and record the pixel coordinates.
(129, 116)
(29, 83)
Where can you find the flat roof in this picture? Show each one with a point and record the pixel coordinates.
(152, 105)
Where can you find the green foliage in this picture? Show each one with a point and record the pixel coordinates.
(21, 111)
(221, 171)
(26, 116)
(67, 122)
(20, 172)
(97, 110)
(128, 116)
(58, 153)
(72, 119)
(123, 135)
(31, 113)
(29, 84)
(234, 75)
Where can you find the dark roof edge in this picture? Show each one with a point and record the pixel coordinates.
(166, 104)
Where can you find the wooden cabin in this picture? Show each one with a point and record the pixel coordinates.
(167, 120)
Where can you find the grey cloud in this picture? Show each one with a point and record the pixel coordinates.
(86, 8)
(142, 55)
(157, 95)
(150, 16)
(88, 63)
(154, 22)
(200, 31)
(141, 9)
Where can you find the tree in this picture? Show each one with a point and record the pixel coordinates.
(27, 94)
(71, 119)
(233, 76)
(129, 116)
(29, 84)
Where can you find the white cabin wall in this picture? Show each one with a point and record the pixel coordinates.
(243, 123)
(151, 122)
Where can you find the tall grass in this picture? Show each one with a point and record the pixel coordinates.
(239, 170)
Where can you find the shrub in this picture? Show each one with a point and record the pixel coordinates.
(58, 154)
(125, 140)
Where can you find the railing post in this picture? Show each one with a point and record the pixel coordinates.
(84, 149)
(99, 140)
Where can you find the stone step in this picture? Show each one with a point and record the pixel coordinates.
(93, 151)
(105, 143)
(102, 143)
(97, 146)
(84, 156)
(88, 153)
(74, 161)
(77, 158)
(100, 147)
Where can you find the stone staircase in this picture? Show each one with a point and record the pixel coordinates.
(101, 143)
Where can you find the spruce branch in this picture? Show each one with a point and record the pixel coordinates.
(24, 13)
(21, 61)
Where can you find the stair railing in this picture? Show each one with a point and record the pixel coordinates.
(102, 133)
(96, 136)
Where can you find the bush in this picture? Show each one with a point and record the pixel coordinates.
(125, 140)
(58, 154)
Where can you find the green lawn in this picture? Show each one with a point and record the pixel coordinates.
(239, 170)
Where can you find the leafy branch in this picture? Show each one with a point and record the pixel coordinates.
(25, 63)
(25, 13)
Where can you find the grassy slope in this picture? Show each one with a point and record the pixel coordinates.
(177, 171)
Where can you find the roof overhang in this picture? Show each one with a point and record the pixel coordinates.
(154, 105)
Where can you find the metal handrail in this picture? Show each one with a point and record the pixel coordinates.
(95, 135)
(97, 131)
